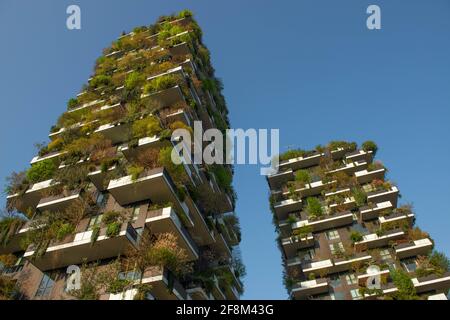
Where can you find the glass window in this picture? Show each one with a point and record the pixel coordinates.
(135, 213)
(332, 235)
(45, 286)
(385, 255)
(410, 265)
(351, 279)
(355, 294)
(337, 248)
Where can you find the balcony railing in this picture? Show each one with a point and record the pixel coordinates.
(328, 221)
(415, 248)
(375, 241)
(291, 245)
(365, 176)
(309, 288)
(166, 221)
(160, 280)
(384, 195)
(372, 212)
(59, 202)
(78, 247)
(283, 208)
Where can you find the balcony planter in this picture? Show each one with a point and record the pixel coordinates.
(417, 247)
(305, 289)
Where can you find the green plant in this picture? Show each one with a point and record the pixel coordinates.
(72, 103)
(100, 80)
(41, 171)
(349, 146)
(118, 285)
(370, 146)
(146, 127)
(176, 171)
(133, 80)
(223, 176)
(303, 177)
(160, 83)
(8, 227)
(7, 288)
(303, 231)
(360, 196)
(113, 229)
(64, 230)
(314, 207)
(95, 233)
(290, 154)
(135, 171)
(405, 287)
(185, 14)
(356, 236)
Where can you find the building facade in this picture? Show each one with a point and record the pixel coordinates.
(342, 232)
(103, 212)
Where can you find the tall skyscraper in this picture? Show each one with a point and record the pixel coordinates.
(342, 232)
(103, 212)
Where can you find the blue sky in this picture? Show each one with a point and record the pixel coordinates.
(310, 68)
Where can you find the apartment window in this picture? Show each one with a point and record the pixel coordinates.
(101, 199)
(337, 248)
(95, 220)
(410, 265)
(135, 213)
(45, 286)
(308, 255)
(351, 279)
(333, 235)
(385, 254)
(356, 295)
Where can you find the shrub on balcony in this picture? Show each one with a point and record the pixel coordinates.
(147, 127)
(185, 14)
(302, 232)
(348, 146)
(370, 146)
(302, 177)
(417, 234)
(290, 154)
(160, 83)
(8, 289)
(72, 103)
(405, 287)
(7, 260)
(223, 176)
(376, 165)
(314, 207)
(435, 263)
(176, 171)
(360, 197)
(113, 229)
(135, 171)
(356, 236)
(16, 182)
(100, 80)
(41, 171)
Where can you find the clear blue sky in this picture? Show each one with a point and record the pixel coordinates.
(310, 68)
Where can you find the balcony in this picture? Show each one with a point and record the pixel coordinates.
(143, 145)
(309, 288)
(332, 221)
(396, 217)
(283, 208)
(301, 162)
(373, 211)
(160, 280)
(87, 105)
(59, 202)
(439, 296)
(384, 195)
(77, 248)
(52, 155)
(313, 188)
(167, 221)
(366, 176)
(155, 185)
(362, 278)
(117, 133)
(227, 232)
(351, 168)
(292, 244)
(180, 115)
(372, 240)
(417, 247)
(198, 293)
(14, 243)
(360, 155)
(345, 264)
(32, 195)
(221, 246)
(180, 49)
(165, 98)
(432, 283)
(231, 290)
(317, 267)
(199, 229)
(278, 179)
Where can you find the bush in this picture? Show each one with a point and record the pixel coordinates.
(72, 103)
(135, 172)
(303, 231)
(176, 171)
(290, 154)
(133, 80)
(360, 197)
(160, 83)
(146, 127)
(41, 171)
(185, 14)
(370, 146)
(303, 176)
(113, 229)
(223, 176)
(64, 230)
(355, 236)
(349, 146)
(405, 286)
(100, 80)
(314, 207)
